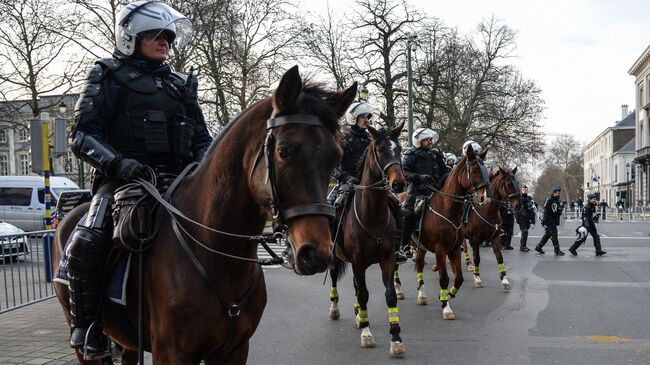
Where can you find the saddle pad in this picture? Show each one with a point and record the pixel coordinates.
(119, 276)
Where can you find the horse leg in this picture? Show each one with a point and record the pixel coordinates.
(447, 313)
(367, 340)
(468, 260)
(387, 268)
(419, 268)
(165, 353)
(496, 248)
(239, 356)
(129, 357)
(456, 267)
(398, 284)
(334, 294)
(356, 303)
(477, 263)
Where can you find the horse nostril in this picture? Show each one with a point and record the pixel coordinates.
(311, 260)
(398, 186)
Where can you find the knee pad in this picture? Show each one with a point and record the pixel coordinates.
(85, 251)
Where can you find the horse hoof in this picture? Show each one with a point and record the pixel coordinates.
(422, 301)
(367, 340)
(434, 268)
(397, 349)
(448, 314)
(401, 295)
(334, 312)
(505, 284)
(470, 268)
(478, 284)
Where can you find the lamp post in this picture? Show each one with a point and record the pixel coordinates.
(80, 164)
(410, 45)
(627, 185)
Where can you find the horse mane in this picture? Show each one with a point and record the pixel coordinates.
(382, 133)
(314, 101)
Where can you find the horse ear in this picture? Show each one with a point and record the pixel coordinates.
(341, 100)
(483, 154)
(502, 171)
(514, 171)
(289, 90)
(469, 152)
(491, 173)
(373, 132)
(397, 130)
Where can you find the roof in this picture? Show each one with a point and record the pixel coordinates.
(640, 62)
(629, 147)
(629, 121)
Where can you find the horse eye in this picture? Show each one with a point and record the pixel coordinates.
(283, 152)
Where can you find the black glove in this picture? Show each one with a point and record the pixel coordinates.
(351, 180)
(128, 169)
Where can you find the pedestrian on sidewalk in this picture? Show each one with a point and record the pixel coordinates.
(550, 220)
(525, 218)
(579, 207)
(620, 205)
(588, 226)
(603, 209)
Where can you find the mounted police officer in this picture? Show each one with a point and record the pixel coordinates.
(588, 226)
(551, 219)
(133, 111)
(355, 142)
(423, 167)
(451, 160)
(525, 217)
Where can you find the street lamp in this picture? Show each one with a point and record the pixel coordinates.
(410, 46)
(80, 164)
(627, 183)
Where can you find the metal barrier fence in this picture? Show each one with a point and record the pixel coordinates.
(628, 214)
(25, 269)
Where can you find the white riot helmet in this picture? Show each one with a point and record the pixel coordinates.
(421, 134)
(148, 15)
(581, 232)
(356, 109)
(475, 146)
(451, 157)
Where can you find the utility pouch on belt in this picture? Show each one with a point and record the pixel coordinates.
(183, 136)
(156, 138)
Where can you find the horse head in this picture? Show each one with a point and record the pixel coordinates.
(386, 152)
(508, 187)
(301, 152)
(475, 178)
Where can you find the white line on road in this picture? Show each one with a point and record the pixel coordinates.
(602, 236)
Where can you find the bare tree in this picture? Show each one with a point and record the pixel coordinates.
(34, 56)
(563, 167)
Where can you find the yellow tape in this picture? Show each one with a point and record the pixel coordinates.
(393, 310)
(356, 305)
(444, 295)
(502, 267)
(392, 320)
(477, 270)
(453, 290)
(396, 275)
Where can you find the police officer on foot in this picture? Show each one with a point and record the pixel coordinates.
(507, 225)
(588, 226)
(423, 167)
(133, 111)
(525, 217)
(552, 212)
(356, 140)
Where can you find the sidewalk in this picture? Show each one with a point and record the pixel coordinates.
(35, 334)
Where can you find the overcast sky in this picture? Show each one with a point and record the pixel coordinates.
(579, 51)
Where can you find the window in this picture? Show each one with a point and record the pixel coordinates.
(615, 173)
(23, 164)
(16, 196)
(3, 136)
(23, 135)
(4, 165)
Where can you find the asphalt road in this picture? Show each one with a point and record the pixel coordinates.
(560, 310)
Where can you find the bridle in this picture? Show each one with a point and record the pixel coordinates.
(484, 172)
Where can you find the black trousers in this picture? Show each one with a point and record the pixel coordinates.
(594, 233)
(550, 232)
(524, 227)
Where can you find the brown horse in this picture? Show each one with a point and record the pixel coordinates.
(441, 229)
(484, 221)
(275, 158)
(368, 233)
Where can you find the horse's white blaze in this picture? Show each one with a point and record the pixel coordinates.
(422, 297)
(366, 338)
(397, 348)
(334, 311)
(447, 313)
(477, 282)
(505, 283)
(398, 291)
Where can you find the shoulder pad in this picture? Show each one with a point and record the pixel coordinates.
(410, 151)
(110, 63)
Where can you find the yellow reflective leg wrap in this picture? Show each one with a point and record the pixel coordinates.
(453, 291)
(356, 307)
(393, 315)
(477, 270)
(467, 257)
(334, 293)
(363, 316)
(502, 267)
(396, 276)
(444, 295)
(420, 276)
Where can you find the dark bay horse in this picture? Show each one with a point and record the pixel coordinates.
(441, 229)
(368, 233)
(275, 158)
(484, 221)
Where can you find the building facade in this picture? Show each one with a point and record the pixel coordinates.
(641, 71)
(608, 161)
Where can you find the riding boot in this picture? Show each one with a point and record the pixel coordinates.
(84, 303)
(404, 251)
(523, 241)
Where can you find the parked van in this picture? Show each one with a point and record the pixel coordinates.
(22, 199)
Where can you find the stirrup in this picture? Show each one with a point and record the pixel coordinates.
(99, 355)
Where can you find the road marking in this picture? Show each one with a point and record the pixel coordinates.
(602, 236)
